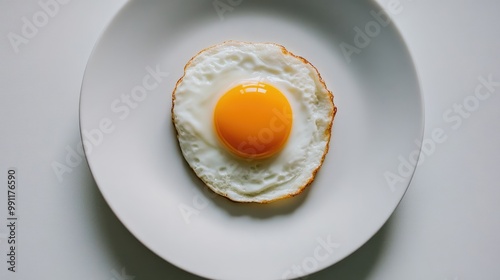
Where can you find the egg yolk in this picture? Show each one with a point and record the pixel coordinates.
(253, 120)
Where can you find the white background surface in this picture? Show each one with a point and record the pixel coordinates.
(446, 227)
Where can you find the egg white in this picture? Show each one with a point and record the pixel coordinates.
(214, 71)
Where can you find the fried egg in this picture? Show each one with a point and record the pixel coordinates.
(253, 120)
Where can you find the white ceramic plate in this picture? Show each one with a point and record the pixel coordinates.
(134, 157)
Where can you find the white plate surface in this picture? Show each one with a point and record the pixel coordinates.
(135, 159)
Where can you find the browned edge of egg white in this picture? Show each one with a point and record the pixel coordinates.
(328, 130)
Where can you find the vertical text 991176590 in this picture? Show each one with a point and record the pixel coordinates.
(11, 220)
